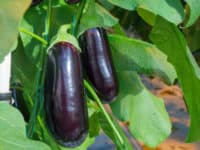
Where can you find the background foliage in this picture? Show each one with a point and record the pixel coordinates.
(174, 31)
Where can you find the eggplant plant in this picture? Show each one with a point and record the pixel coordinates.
(68, 57)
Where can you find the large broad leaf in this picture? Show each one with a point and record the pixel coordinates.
(135, 55)
(149, 121)
(60, 14)
(32, 47)
(170, 40)
(10, 14)
(96, 16)
(13, 132)
(23, 70)
(126, 4)
(171, 10)
(194, 11)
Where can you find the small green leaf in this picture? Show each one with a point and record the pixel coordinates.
(94, 125)
(170, 40)
(12, 131)
(149, 121)
(194, 11)
(10, 14)
(135, 55)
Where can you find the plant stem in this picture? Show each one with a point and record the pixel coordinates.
(40, 39)
(96, 98)
(77, 17)
(38, 100)
(48, 21)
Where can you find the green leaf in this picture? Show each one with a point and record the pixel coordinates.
(34, 21)
(149, 121)
(95, 16)
(118, 29)
(23, 70)
(194, 11)
(108, 19)
(94, 126)
(106, 4)
(12, 131)
(126, 4)
(171, 10)
(10, 14)
(170, 40)
(107, 130)
(135, 55)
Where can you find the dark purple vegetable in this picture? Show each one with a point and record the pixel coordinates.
(35, 2)
(72, 1)
(19, 101)
(65, 106)
(98, 63)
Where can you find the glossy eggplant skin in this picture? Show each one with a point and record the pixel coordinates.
(72, 1)
(65, 106)
(35, 2)
(19, 103)
(98, 63)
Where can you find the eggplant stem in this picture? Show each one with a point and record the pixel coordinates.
(38, 102)
(37, 37)
(77, 17)
(48, 21)
(101, 107)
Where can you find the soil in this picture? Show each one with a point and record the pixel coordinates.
(174, 102)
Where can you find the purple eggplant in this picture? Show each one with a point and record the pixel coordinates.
(72, 1)
(98, 63)
(19, 101)
(65, 104)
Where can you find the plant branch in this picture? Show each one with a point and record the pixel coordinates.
(96, 98)
(77, 17)
(40, 39)
(48, 21)
(39, 99)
